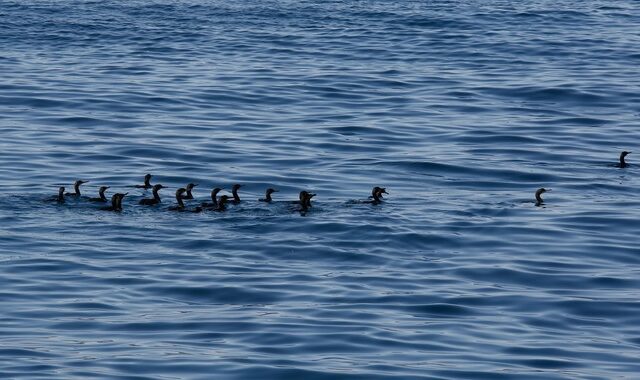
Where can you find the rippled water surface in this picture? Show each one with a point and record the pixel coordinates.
(461, 109)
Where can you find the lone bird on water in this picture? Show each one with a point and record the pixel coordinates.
(539, 192)
(623, 163)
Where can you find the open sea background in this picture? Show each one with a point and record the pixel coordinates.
(462, 109)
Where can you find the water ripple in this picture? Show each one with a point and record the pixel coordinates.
(461, 109)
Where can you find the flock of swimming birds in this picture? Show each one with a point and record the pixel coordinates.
(219, 203)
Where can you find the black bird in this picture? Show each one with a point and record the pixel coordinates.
(267, 197)
(102, 197)
(376, 194)
(156, 197)
(120, 198)
(60, 197)
(179, 194)
(305, 200)
(116, 202)
(190, 187)
(214, 200)
(623, 163)
(76, 187)
(147, 183)
(222, 203)
(539, 193)
(234, 192)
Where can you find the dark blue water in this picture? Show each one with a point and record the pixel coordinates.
(462, 109)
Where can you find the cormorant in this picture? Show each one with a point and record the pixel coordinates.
(76, 187)
(539, 193)
(305, 200)
(60, 197)
(214, 200)
(147, 183)
(623, 163)
(102, 197)
(116, 202)
(156, 197)
(222, 203)
(267, 197)
(376, 194)
(234, 192)
(179, 193)
(188, 189)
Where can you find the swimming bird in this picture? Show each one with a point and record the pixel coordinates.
(376, 194)
(305, 200)
(304, 197)
(120, 198)
(60, 197)
(214, 201)
(190, 187)
(234, 192)
(101, 197)
(267, 197)
(116, 202)
(147, 183)
(76, 187)
(539, 193)
(623, 163)
(222, 203)
(156, 197)
(179, 194)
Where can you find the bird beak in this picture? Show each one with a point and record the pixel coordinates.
(275, 191)
(548, 190)
(84, 181)
(312, 195)
(194, 185)
(107, 187)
